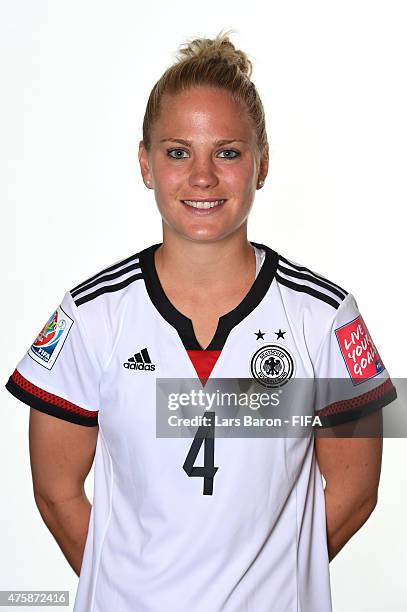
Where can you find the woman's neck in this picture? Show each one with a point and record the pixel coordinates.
(205, 264)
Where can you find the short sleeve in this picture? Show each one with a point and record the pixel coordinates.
(352, 380)
(59, 374)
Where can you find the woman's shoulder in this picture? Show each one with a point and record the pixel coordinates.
(316, 304)
(109, 282)
(313, 285)
(99, 302)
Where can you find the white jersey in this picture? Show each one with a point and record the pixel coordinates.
(251, 537)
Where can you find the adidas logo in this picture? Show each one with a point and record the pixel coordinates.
(139, 361)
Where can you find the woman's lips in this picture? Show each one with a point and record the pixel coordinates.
(203, 206)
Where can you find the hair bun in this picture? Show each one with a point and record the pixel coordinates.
(219, 48)
(206, 62)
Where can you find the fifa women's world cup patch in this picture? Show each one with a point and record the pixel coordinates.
(49, 342)
(358, 350)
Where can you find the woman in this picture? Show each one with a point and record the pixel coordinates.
(247, 525)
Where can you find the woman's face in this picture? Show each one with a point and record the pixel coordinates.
(203, 150)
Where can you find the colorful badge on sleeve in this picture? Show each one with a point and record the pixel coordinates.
(358, 350)
(49, 342)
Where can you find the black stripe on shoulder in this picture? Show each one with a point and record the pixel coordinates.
(304, 269)
(309, 290)
(312, 279)
(106, 277)
(107, 289)
(106, 270)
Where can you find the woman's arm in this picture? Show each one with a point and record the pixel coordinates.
(351, 468)
(61, 455)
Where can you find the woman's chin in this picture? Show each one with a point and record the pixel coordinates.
(205, 233)
(202, 228)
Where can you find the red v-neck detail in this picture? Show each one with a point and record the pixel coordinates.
(203, 362)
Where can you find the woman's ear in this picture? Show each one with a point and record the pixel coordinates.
(263, 167)
(144, 165)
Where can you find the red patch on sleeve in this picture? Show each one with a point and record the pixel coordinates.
(358, 350)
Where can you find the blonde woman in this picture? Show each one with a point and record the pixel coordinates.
(246, 525)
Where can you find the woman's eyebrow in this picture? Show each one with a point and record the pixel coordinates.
(216, 143)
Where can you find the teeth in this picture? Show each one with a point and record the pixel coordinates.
(196, 204)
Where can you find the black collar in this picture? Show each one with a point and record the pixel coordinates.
(226, 322)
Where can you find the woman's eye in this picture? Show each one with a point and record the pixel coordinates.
(182, 154)
(229, 154)
(176, 153)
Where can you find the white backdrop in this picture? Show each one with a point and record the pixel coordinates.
(75, 77)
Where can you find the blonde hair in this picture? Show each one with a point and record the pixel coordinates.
(211, 62)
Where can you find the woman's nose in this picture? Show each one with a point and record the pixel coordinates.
(203, 174)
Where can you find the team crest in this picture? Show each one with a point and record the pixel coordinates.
(50, 340)
(272, 365)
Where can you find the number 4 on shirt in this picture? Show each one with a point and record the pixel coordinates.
(208, 470)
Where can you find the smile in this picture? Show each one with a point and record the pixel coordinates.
(201, 204)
